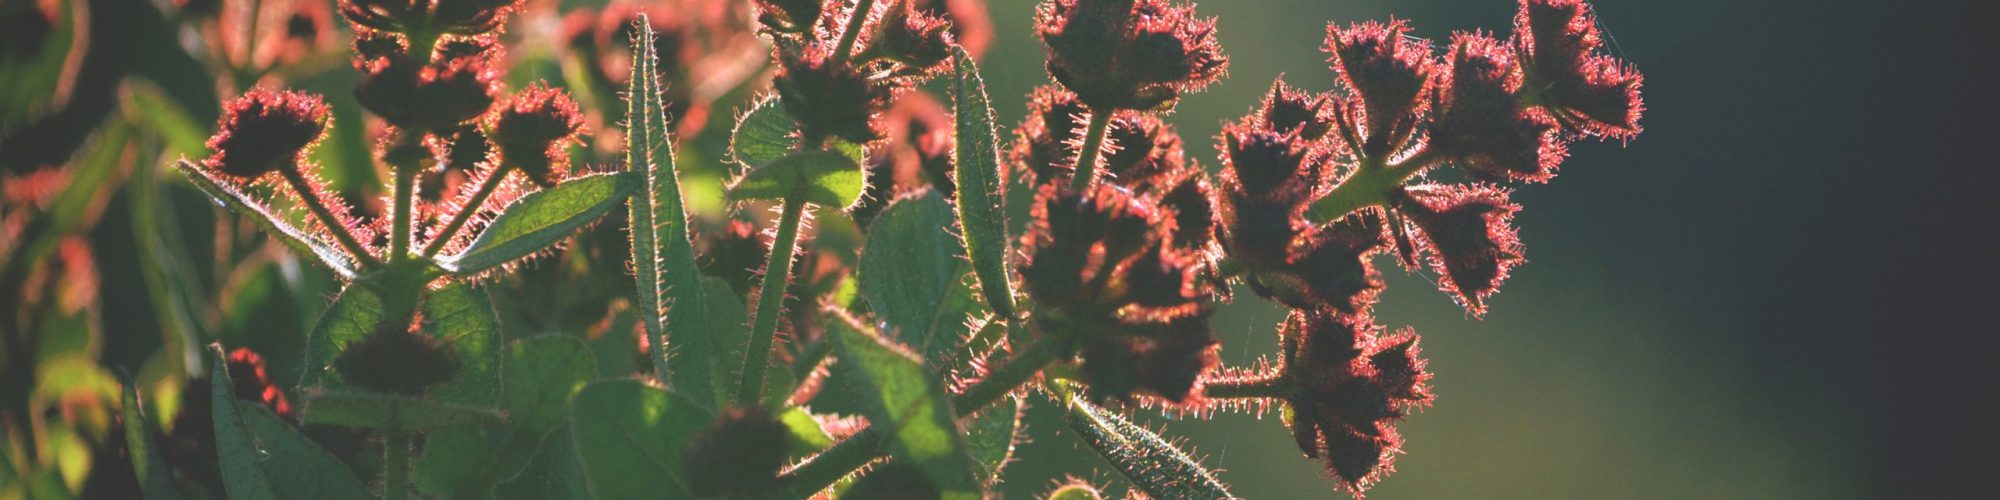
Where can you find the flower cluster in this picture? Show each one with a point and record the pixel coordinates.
(836, 80)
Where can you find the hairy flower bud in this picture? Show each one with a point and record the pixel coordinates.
(1387, 73)
(1045, 148)
(457, 17)
(1468, 233)
(740, 454)
(1129, 54)
(788, 16)
(830, 98)
(1268, 177)
(916, 39)
(1481, 126)
(1287, 109)
(532, 132)
(1560, 48)
(395, 360)
(1332, 268)
(265, 130)
(459, 85)
(1350, 383)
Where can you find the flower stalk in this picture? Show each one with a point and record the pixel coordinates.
(1093, 145)
(770, 301)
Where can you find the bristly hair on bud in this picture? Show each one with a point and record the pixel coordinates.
(1043, 152)
(533, 132)
(1386, 74)
(739, 455)
(1268, 177)
(1349, 384)
(788, 16)
(1480, 125)
(265, 130)
(1468, 233)
(1288, 109)
(1566, 71)
(1129, 54)
(1332, 266)
(456, 86)
(396, 360)
(830, 98)
(916, 40)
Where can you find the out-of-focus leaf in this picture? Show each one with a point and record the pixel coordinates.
(910, 271)
(827, 178)
(264, 458)
(631, 438)
(462, 316)
(670, 289)
(145, 103)
(911, 404)
(393, 412)
(353, 315)
(981, 200)
(554, 473)
(766, 134)
(542, 373)
(93, 171)
(541, 219)
(808, 437)
(300, 241)
(156, 479)
(1154, 465)
(729, 335)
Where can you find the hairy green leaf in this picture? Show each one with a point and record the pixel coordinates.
(827, 178)
(156, 479)
(541, 219)
(808, 437)
(352, 316)
(1154, 465)
(910, 273)
(462, 316)
(262, 457)
(300, 241)
(990, 435)
(766, 134)
(393, 412)
(981, 196)
(631, 438)
(542, 374)
(670, 289)
(553, 474)
(910, 403)
(730, 333)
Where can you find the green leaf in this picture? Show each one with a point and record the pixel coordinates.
(541, 219)
(145, 103)
(670, 289)
(393, 412)
(352, 316)
(981, 196)
(462, 316)
(542, 373)
(822, 177)
(1153, 464)
(910, 274)
(766, 134)
(991, 435)
(808, 437)
(910, 402)
(729, 335)
(631, 438)
(156, 479)
(553, 474)
(262, 457)
(300, 241)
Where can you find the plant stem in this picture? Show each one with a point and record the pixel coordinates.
(863, 447)
(465, 213)
(852, 31)
(395, 465)
(406, 192)
(1270, 386)
(326, 217)
(770, 302)
(1370, 185)
(1093, 143)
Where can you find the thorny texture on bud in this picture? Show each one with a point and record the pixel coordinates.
(1467, 232)
(533, 131)
(918, 40)
(1270, 172)
(1480, 125)
(1103, 266)
(396, 360)
(1565, 70)
(456, 85)
(739, 455)
(457, 17)
(1143, 155)
(1385, 74)
(829, 97)
(265, 130)
(1129, 54)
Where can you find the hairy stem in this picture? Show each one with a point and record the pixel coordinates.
(399, 229)
(1370, 185)
(395, 465)
(465, 213)
(1093, 145)
(326, 217)
(852, 32)
(770, 302)
(1271, 386)
(866, 446)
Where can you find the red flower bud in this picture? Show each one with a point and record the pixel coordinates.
(455, 88)
(532, 130)
(1267, 179)
(265, 130)
(740, 454)
(1129, 54)
(1385, 72)
(1560, 49)
(830, 98)
(1468, 232)
(1350, 384)
(1480, 125)
(1143, 151)
(1159, 360)
(920, 41)
(1332, 267)
(1195, 216)
(395, 360)
(1043, 150)
(253, 383)
(970, 26)
(1078, 244)
(788, 16)
(1287, 109)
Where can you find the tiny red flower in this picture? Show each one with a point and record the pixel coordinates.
(830, 98)
(1561, 52)
(739, 455)
(532, 131)
(1386, 73)
(1129, 54)
(1480, 125)
(266, 130)
(1350, 384)
(1468, 233)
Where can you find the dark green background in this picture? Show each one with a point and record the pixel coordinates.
(1768, 294)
